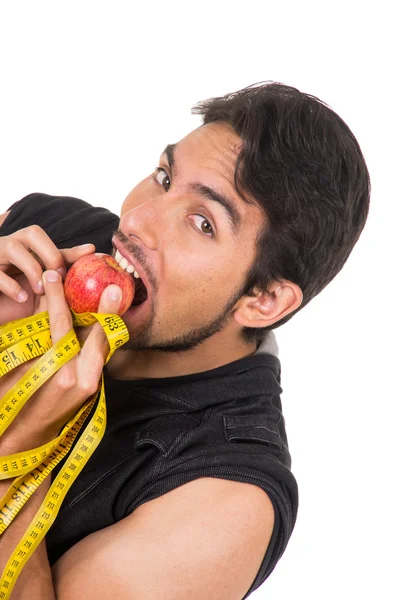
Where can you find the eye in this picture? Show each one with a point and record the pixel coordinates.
(204, 226)
(161, 176)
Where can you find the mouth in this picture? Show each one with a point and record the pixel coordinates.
(141, 294)
(131, 265)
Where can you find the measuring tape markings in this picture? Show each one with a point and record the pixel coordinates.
(68, 432)
(23, 487)
(46, 514)
(14, 331)
(54, 359)
(11, 334)
(48, 364)
(11, 358)
(23, 462)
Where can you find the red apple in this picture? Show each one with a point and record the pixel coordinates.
(89, 276)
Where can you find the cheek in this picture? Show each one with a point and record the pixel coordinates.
(199, 281)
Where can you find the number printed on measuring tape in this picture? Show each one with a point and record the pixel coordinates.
(21, 341)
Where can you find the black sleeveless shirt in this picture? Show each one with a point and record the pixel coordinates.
(162, 433)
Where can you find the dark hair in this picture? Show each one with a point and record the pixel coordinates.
(304, 167)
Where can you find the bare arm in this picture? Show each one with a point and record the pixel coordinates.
(36, 575)
(205, 539)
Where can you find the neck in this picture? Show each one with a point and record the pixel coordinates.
(153, 364)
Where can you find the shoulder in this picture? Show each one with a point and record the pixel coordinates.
(206, 538)
(68, 221)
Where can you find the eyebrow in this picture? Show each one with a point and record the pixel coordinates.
(169, 151)
(207, 192)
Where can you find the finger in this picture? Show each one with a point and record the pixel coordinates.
(70, 255)
(12, 289)
(96, 342)
(40, 304)
(38, 253)
(110, 300)
(61, 321)
(19, 256)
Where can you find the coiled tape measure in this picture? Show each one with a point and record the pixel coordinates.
(21, 341)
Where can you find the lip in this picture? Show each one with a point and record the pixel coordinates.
(132, 260)
(135, 313)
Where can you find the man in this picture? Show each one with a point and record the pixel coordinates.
(189, 494)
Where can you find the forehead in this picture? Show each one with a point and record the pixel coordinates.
(214, 145)
(208, 155)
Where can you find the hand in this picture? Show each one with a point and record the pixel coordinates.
(59, 398)
(23, 257)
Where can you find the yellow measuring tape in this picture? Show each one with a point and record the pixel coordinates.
(21, 341)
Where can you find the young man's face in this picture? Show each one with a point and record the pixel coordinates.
(193, 252)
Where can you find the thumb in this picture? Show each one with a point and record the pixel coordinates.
(96, 343)
(107, 305)
(110, 300)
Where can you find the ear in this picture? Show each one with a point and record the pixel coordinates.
(266, 308)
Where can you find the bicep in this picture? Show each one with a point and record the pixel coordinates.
(205, 539)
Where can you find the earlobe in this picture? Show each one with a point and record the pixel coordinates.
(266, 308)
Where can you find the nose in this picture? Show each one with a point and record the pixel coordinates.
(142, 224)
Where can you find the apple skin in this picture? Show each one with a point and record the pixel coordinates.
(89, 276)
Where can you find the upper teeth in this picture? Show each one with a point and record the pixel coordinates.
(123, 262)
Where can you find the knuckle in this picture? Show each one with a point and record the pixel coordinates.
(88, 388)
(34, 229)
(66, 380)
(12, 243)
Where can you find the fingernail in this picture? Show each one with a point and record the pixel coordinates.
(22, 296)
(40, 286)
(62, 272)
(51, 276)
(83, 246)
(114, 293)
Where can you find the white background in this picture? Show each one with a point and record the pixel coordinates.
(91, 92)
